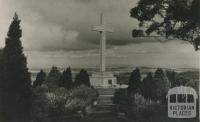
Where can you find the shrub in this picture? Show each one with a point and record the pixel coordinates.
(142, 108)
(122, 100)
(47, 103)
(40, 103)
(57, 98)
(135, 106)
(54, 103)
(80, 97)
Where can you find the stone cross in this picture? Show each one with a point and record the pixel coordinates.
(102, 29)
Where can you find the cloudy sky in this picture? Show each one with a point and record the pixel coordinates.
(60, 31)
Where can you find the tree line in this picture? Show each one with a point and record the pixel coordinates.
(64, 79)
(154, 87)
(145, 97)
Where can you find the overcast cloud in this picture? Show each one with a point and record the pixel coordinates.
(65, 25)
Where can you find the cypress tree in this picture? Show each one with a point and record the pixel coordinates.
(62, 79)
(82, 78)
(1, 88)
(171, 75)
(40, 78)
(134, 81)
(1, 68)
(148, 87)
(66, 79)
(69, 78)
(16, 82)
(53, 77)
(162, 84)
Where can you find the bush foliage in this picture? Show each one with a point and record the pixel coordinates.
(48, 102)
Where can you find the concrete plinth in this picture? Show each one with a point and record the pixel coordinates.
(103, 79)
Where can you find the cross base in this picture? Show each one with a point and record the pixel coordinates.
(103, 80)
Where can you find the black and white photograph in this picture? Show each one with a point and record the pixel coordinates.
(99, 60)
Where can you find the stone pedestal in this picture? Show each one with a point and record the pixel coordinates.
(103, 79)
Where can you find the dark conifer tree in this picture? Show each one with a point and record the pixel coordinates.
(77, 81)
(1, 87)
(69, 78)
(16, 83)
(82, 78)
(53, 77)
(66, 79)
(40, 78)
(62, 79)
(134, 81)
(171, 75)
(1, 67)
(148, 87)
(162, 84)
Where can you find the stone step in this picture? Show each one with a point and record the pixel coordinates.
(105, 97)
(99, 109)
(106, 91)
(97, 113)
(108, 107)
(105, 103)
(109, 102)
(105, 100)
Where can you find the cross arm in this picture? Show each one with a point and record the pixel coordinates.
(102, 29)
(98, 28)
